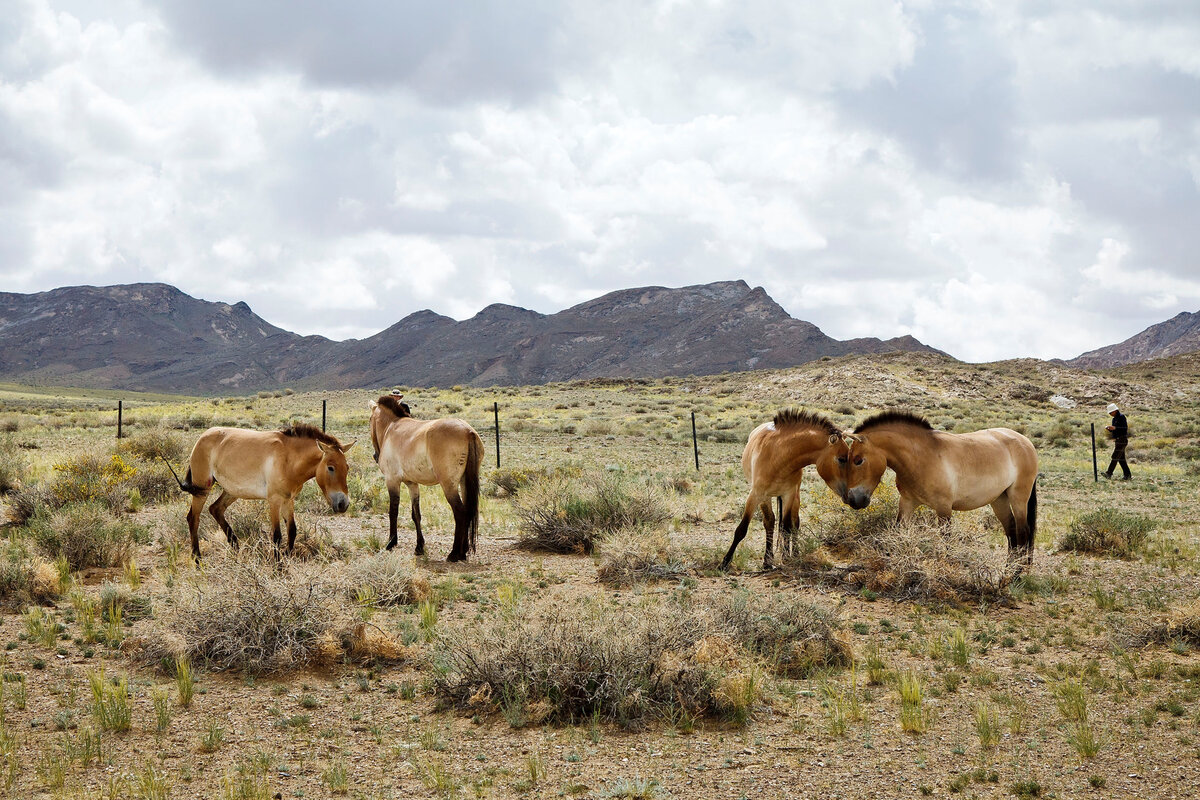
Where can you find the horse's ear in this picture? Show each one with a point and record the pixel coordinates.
(346, 447)
(373, 404)
(833, 439)
(324, 447)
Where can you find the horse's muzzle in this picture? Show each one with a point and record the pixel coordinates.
(858, 498)
(339, 502)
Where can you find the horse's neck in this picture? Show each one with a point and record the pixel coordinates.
(305, 457)
(808, 445)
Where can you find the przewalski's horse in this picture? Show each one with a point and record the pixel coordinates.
(263, 465)
(774, 460)
(945, 471)
(446, 452)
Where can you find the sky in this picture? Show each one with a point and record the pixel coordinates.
(998, 179)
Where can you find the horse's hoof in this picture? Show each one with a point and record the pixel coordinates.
(453, 557)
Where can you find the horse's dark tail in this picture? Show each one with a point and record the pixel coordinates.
(471, 488)
(185, 484)
(1031, 516)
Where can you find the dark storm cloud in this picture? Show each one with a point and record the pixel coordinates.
(446, 52)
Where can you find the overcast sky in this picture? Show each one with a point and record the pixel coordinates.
(998, 179)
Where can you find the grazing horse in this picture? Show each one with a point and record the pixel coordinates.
(774, 460)
(945, 471)
(416, 453)
(263, 465)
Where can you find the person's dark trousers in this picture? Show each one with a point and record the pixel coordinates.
(1118, 457)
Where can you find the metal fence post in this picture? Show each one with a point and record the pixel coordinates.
(322, 416)
(1095, 465)
(496, 412)
(695, 443)
(120, 410)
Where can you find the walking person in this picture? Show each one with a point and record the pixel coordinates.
(1120, 434)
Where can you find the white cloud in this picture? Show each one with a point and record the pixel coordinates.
(881, 168)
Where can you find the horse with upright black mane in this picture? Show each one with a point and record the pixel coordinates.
(944, 471)
(774, 460)
(415, 453)
(263, 465)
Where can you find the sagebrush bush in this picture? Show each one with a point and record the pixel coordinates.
(388, 578)
(1107, 531)
(1180, 624)
(13, 466)
(24, 578)
(640, 557)
(87, 535)
(508, 482)
(567, 514)
(153, 444)
(89, 477)
(796, 637)
(919, 558)
(627, 665)
(244, 614)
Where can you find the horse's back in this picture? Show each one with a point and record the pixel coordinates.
(986, 463)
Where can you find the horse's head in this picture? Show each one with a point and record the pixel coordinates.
(852, 467)
(331, 475)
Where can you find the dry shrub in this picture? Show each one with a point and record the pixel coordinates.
(1107, 532)
(27, 502)
(640, 558)
(91, 477)
(1180, 624)
(578, 661)
(45, 583)
(509, 482)
(13, 466)
(87, 535)
(627, 665)
(798, 638)
(917, 559)
(567, 513)
(387, 578)
(154, 444)
(246, 614)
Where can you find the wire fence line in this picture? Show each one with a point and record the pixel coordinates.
(493, 428)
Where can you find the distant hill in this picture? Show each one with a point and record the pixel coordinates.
(1180, 334)
(155, 337)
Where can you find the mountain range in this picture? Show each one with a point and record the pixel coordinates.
(1180, 334)
(151, 336)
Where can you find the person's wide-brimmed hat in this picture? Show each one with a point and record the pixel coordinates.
(1112, 407)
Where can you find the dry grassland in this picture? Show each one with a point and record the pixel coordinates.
(610, 660)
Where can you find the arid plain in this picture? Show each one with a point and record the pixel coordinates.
(872, 662)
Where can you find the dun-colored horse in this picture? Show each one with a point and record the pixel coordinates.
(415, 453)
(945, 471)
(774, 460)
(263, 465)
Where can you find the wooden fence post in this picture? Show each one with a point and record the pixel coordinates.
(695, 443)
(1095, 465)
(120, 410)
(322, 416)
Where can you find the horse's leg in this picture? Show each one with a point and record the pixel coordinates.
(739, 533)
(393, 510)
(414, 492)
(289, 512)
(789, 523)
(908, 504)
(459, 551)
(1020, 503)
(218, 510)
(1003, 512)
(768, 515)
(274, 504)
(193, 521)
